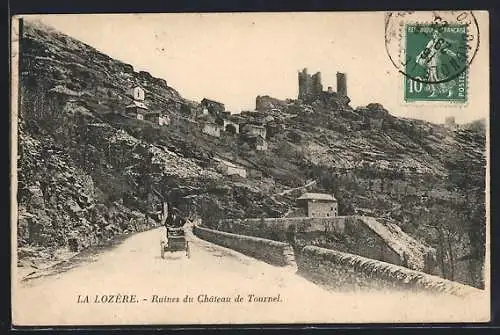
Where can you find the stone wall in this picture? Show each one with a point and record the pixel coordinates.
(360, 235)
(367, 243)
(299, 224)
(339, 270)
(273, 252)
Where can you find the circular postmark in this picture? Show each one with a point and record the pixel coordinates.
(433, 47)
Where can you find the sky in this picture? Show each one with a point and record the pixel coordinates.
(234, 57)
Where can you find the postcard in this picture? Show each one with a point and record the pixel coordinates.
(250, 168)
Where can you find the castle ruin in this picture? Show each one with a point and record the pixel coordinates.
(310, 86)
(341, 84)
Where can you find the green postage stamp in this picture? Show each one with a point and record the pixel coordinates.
(435, 62)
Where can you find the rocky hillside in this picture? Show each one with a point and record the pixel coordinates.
(87, 173)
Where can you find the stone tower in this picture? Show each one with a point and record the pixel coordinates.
(304, 84)
(309, 86)
(317, 87)
(341, 84)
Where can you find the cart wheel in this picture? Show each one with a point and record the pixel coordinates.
(162, 245)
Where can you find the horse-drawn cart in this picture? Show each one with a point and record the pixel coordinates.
(176, 241)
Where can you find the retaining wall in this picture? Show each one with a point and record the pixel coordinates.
(300, 224)
(345, 271)
(272, 252)
(359, 235)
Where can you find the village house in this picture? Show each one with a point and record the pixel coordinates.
(257, 143)
(260, 144)
(212, 129)
(208, 118)
(157, 118)
(230, 169)
(136, 93)
(137, 110)
(253, 129)
(164, 120)
(231, 126)
(318, 204)
(212, 107)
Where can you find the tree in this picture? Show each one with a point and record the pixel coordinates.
(446, 233)
(467, 177)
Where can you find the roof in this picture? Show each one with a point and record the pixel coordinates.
(317, 196)
(260, 138)
(255, 138)
(154, 113)
(254, 126)
(137, 104)
(230, 119)
(212, 101)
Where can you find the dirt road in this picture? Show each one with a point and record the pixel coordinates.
(132, 284)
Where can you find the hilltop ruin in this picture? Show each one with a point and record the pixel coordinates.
(310, 86)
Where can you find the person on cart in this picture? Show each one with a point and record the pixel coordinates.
(175, 237)
(169, 222)
(174, 221)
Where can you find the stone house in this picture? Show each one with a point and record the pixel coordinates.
(256, 130)
(260, 144)
(231, 126)
(318, 204)
(137, 109)
(212, 129)
(212, 107)
(157, 118)
(257, 143)
(136, 93)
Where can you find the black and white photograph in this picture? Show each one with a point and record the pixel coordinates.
(250, 168)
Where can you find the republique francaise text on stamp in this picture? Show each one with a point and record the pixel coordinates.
(434, 54)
